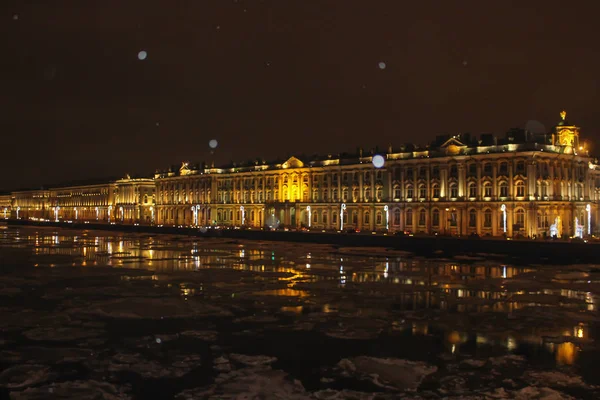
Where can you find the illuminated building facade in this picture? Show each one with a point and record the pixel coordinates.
(125, 200)
(523, 184)
(134, 200)
(5, 205)
(532, 185)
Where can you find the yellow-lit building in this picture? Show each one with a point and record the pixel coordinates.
(125, 200)
(522, 184)
(532, 185)
(28, 204)
(5, 205)
(134, 200)
(92, 202)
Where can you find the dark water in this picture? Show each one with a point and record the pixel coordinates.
(88, 313)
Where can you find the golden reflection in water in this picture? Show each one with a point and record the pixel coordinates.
(283, 292)
(566, 353)
(420, 328)
(295, 310)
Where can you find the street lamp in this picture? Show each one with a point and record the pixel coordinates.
(152, 214)
(309, 215)
(122, 214)
(588, 208)
(18, 209)
(4, 212)
(109, 211)
(387, 217)
(76, 213)
(243, 215)
(56, 209)
(342, 208)
(503, 208)
(97, 213)
(195, 214)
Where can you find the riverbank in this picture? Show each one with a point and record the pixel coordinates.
(528, 250)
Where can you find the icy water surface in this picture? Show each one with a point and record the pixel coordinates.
(94, 315)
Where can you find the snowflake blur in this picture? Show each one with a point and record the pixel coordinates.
(213, 144)
(382, 65)
(142, 55)
(378, 161)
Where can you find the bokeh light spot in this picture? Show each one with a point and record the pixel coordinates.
(213, 144)
(378, 161)
(382, 65)
(142, 55)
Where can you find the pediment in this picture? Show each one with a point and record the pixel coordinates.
(185, 169)
(293, 162)
(453, 146)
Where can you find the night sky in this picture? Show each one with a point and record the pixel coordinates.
(273, 78)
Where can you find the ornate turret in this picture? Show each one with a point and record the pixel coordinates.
(566, 134)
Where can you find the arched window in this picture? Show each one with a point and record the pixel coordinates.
(487, 218)
(409, 192)
(453, 190)
(378, 194)
(503, 186)
(472, 218)
(472, 189)
(520, 186)
(422, 217)
(487, 189)
(355, 217)
(435, 217)
(520, 217)
(435, 188)
(367, 217)
(315, 216)
(355, 195)
(397, 216)
(396, 192)
(367, 194)
(422, 191)
(409, 217)
(378, 218)
(334, 195)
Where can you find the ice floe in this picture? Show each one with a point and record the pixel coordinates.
(22, 376)
(175, 368)
(75, 390)
(388, 373)
(152, 308)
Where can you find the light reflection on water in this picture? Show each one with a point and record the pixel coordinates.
(414, 284)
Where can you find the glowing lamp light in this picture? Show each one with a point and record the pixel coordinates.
(18, 209)
(243, 215)
(503, 208)
(142, 55)
(387, 217)
(213, 144)
(122, 214)
(152, 213)
(76, 213)
(195, 210)
(378, 161)
(588, 208)
(97, 213)
(309, 215)
(109, 210)
(342, 208)
(381, 65)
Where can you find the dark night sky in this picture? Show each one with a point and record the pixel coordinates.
(272, 78)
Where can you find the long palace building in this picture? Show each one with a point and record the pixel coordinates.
(523, 184)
